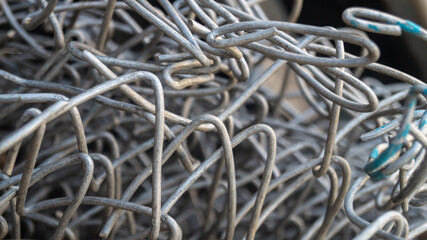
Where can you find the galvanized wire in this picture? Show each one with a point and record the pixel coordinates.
(130, 121)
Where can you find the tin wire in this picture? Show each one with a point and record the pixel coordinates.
(247, 147)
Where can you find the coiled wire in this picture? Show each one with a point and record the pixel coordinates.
(120, 119)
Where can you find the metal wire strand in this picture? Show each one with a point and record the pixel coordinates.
(202, 119)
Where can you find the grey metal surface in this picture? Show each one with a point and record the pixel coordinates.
(127, 120)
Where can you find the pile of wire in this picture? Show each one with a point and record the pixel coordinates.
(203, 119)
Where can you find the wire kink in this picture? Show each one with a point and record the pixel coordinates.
(202, 119)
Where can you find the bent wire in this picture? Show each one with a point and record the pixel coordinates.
(202, 119)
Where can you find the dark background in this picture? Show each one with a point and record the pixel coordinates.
(406, 53)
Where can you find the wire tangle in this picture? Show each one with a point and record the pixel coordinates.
(203, 119)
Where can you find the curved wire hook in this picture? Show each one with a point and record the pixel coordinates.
(381, 22)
